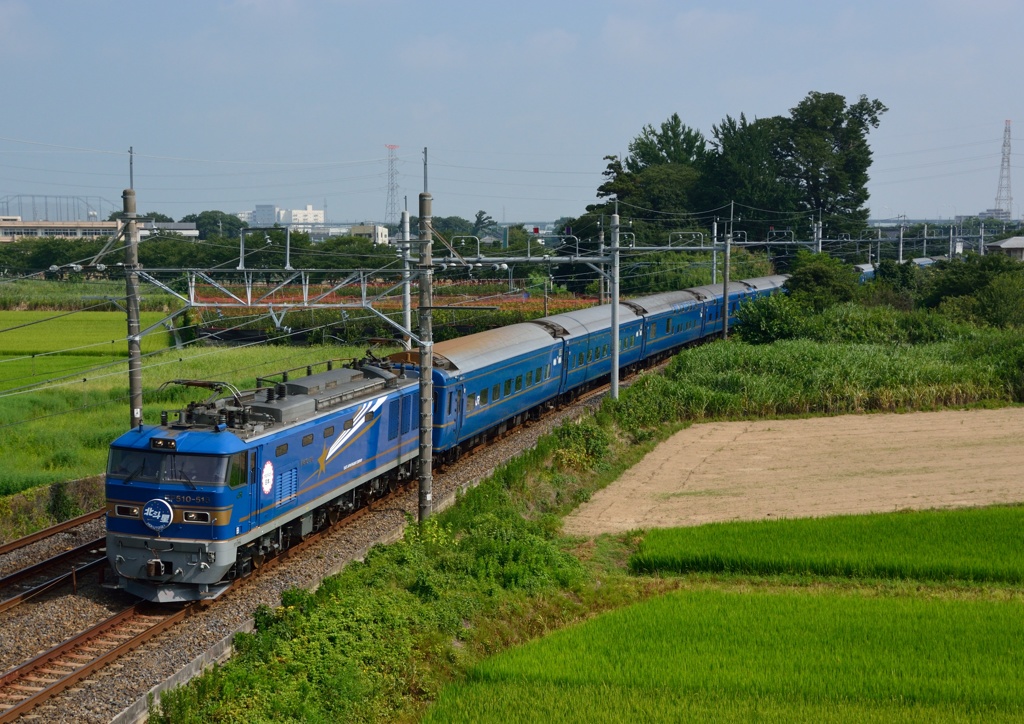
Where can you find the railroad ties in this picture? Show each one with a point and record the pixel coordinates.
(53, 671)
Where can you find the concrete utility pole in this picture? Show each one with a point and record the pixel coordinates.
(426, 354)
(615, 307)
(131, 280)
(406, 276)
(714, 251)
(725, 275)
(600, 252)
(901, 242)
(725, 284)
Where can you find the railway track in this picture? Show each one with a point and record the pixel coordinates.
(51, 531)
(60, 570)
(32, 683)
(29, 685)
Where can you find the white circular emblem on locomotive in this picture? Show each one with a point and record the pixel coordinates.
(267, 481)
(157, 514)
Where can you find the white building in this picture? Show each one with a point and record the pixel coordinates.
(373, 232)
(308, 215)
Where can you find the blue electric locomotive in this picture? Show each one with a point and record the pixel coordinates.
(201, 499)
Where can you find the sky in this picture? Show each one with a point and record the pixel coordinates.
(232, 103)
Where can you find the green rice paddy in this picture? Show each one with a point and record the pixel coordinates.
(979, 545)
(716, 655)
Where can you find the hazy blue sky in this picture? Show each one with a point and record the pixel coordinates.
(232, 103)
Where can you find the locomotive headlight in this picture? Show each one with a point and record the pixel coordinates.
(127, 511)
(195, 516)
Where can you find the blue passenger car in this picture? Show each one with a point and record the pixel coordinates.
(587, 334)
(671, 319)
(483, 380)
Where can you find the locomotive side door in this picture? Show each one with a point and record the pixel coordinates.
(255, 483)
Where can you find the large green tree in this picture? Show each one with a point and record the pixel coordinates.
(825, 156)
(483, 224)
(657, 179)
(743, 166)
(673, 142)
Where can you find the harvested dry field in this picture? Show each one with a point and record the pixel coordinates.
(815, 467)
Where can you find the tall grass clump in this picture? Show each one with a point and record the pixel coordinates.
(978, 545)
(802, 377)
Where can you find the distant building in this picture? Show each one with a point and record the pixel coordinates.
(265, 215)
(373, 232)
(1012, 247)
(308, 215)
(997, 214)
(245, 216)
(320, 232)
(13, 228)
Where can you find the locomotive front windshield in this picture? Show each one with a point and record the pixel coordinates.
(169, 467)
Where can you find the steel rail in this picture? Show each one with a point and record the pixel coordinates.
(52, 530)
(51, 672)
(56, 582)
(54, 561)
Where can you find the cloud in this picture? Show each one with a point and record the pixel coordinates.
(662, 37)
(19, 34)
(433, 54)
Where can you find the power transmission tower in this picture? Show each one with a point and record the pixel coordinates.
(1004, 199)
(391, 212)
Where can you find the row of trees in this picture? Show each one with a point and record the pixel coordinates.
(209, 224)
(263, 250)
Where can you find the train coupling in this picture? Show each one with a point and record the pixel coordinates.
(156, 568)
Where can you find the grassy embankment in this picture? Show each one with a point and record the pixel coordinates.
(379, 641)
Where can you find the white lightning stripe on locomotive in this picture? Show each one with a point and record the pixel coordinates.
(360, 417)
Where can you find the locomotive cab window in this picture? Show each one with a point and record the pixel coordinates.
(239, 474)
(281, 449)
(167, 467)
